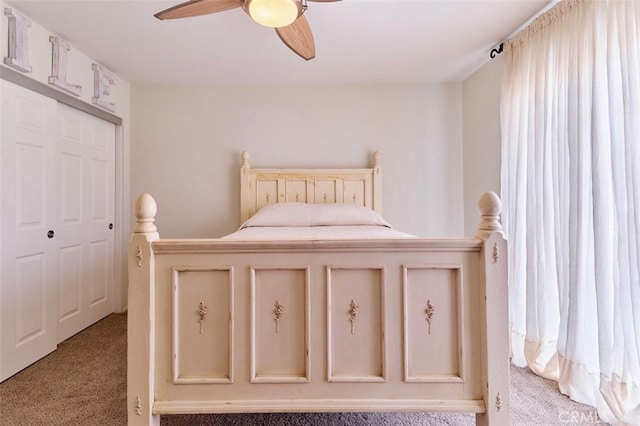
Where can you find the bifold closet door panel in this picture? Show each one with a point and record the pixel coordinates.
(29, 216)
(86, 162)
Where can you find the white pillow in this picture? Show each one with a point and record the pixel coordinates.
(302, 214)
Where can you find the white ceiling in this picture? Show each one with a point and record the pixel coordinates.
(357, 41)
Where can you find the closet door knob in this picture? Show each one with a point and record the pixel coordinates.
(111, 226)
(50, 234)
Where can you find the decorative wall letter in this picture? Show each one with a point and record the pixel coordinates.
(103, 79)
(58, 75)
(18, 41)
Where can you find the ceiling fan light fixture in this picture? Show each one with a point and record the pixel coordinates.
(274, 13)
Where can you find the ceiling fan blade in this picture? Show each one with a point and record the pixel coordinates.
(197, 8)
(298, 38)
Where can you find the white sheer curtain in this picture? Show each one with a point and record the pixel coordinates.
(571, 197)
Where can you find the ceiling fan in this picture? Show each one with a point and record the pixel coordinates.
(283, 15)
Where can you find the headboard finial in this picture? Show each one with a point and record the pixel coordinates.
(376, 158)
(245, 159)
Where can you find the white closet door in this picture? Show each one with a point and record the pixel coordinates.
(86, 163)
(28, 326)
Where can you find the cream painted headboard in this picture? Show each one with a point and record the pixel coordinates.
(259, 187)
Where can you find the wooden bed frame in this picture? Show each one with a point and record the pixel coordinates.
(220, 326)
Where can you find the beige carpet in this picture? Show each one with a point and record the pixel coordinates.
(84, 383)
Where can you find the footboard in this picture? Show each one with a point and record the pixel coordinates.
(311, 326)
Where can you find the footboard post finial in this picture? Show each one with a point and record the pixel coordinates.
(490, 208)
(145, 211)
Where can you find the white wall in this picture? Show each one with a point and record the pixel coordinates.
(481, 133)
(187, 143)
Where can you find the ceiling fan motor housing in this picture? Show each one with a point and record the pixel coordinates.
(274, 13)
